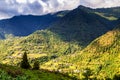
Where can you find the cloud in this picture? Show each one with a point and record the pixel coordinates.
(100, 3)
(10, 8)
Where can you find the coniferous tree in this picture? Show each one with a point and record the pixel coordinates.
(24, 63)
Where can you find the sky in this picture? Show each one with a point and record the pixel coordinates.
(10, 8)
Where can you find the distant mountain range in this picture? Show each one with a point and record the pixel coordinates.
(108, 13)
(82, 25)
(25, 25)
(84, 42)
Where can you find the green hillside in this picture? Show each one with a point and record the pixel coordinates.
(82, 44)
(41, 45)
(15, 73)
(73, 32)
(101, 59)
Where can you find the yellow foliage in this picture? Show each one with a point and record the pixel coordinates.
(107, 39)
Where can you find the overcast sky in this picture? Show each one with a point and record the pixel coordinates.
(10, 8)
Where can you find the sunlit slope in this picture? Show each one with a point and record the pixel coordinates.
(102, 57)
(42, 45)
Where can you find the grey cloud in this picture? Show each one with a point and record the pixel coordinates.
(9, 8)
(45, 0)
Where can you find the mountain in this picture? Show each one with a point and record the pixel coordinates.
(100, 58)
(110, 13)
(81, 25)
(72, 32)
(79, 43)
(25, 25)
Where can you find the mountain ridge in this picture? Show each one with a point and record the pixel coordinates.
(25, 25)
(81, 22)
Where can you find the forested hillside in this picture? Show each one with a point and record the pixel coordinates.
(99, 60)
(25, 25)
(81, 25)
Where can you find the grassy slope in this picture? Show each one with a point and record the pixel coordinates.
(102, 56)
(15, 73)
(107, 17)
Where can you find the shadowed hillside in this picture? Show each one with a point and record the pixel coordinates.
(81, 26)
(112, 13)
(25, 25)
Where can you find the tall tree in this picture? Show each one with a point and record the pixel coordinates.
(24, 63)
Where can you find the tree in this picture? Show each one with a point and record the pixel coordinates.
(36, 65)
(24, 63)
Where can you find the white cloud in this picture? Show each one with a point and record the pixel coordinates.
(100, 3)
(9, 8)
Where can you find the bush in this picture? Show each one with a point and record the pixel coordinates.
(14, 73)
(36, 65)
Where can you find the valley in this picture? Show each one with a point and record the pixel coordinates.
(69, 45)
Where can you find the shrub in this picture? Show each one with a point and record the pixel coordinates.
(36, 65)
(14, 73)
